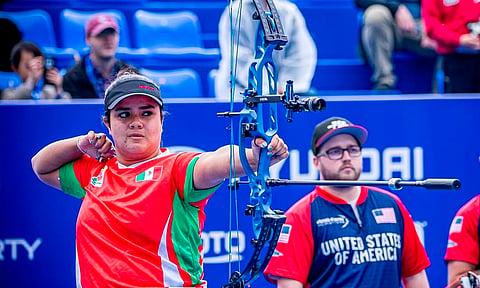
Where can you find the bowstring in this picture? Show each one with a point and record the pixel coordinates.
(234, 47)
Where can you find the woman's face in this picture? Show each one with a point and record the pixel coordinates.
(136, 127)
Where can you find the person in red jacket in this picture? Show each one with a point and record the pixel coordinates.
(455, 25)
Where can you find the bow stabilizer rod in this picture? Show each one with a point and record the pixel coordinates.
(393, 183)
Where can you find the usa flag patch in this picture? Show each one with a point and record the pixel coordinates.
(285, 234)
(456, 226)
(384, 216)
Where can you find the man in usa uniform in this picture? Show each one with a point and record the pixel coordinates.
(347, 236)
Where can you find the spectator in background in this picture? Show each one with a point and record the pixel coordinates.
(90, 77)
(10, 36)
(37, 83)
(296, 61)
(389, 26)
(447, 22)
(347, 236)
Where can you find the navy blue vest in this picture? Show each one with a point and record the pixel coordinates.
(350, 254)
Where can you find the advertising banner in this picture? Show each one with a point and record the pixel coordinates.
(412, 138)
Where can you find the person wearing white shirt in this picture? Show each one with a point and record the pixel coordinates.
(296, 61)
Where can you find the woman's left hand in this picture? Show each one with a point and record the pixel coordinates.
(277, 148)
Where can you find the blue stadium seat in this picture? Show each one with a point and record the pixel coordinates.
(201, 60)
(179, 83)
(9, 80)
(170, 41)
(36, 26)
(166, 30)
(72, 27)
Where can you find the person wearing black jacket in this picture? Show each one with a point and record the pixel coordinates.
(96, 70)
(78, 84)
(389, 26)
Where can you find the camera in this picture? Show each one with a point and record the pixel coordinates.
(47, 65)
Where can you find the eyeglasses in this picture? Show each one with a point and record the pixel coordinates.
(336, 153)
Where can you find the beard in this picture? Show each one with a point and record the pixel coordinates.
(351, 174)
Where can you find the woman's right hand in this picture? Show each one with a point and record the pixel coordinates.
(96, 145)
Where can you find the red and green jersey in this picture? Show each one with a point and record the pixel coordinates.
(138, 226)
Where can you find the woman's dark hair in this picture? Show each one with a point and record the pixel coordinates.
(127, 69)
(23, 46)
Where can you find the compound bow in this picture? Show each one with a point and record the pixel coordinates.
(258, 118)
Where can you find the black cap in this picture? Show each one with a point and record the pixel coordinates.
(130, 85)
(334, 126)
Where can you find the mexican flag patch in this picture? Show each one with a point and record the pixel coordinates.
(151, 174)
(98, 181)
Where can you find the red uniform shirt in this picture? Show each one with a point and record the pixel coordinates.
(324, 244)
(138, 226)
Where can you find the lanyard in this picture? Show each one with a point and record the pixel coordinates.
(98, 83)
(37, 90)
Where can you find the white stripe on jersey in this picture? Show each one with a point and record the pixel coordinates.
(78, 277)
(171, 276)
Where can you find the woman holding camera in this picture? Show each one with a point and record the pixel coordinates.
(37, 82)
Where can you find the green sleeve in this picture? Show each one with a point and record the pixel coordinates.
(192, 195)
(69, 182)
